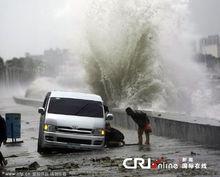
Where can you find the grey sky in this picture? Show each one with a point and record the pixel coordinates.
(35, 25)
(206, 16)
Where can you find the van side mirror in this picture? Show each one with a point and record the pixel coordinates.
(41, 110)
(109, 116)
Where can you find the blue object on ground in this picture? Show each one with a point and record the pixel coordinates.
(13, 123)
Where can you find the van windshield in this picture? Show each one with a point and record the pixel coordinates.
(77, 107)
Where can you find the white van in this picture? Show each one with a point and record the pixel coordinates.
(72, 120)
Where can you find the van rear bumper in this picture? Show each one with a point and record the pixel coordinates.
(72, 141)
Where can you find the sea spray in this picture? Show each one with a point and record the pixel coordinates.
(137, 53)
(141, 54)
(121, 64)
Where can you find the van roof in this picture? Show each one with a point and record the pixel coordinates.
(76, 95)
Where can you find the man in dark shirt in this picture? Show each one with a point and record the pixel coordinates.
(141, 119)
(3, 138)
(113, 137)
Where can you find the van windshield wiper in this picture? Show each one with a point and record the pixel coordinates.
(81, 108)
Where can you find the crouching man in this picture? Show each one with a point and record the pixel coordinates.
(141, 119)
(113, 137)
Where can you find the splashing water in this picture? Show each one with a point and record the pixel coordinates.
(122, 66)
(141, 54)
(137, 53)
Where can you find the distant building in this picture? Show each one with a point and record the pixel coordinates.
(55, 56)
(52, 59)
(210, 46)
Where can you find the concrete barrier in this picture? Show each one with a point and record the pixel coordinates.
(195, 129)
(173, 125)
(28, 102)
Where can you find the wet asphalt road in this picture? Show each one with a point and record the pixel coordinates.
(106, 162)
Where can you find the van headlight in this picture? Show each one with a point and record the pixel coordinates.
(98, 132)
(49, 128)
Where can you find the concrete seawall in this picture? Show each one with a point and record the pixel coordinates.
(200, 130)
(193, 129)
(28, 102)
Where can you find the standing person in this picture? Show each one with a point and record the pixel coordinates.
(141, 119)
(3, 138)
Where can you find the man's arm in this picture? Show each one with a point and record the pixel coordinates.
(147, 118)
(135, 119)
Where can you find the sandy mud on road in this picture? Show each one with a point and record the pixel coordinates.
(24, 160)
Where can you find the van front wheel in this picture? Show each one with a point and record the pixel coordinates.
(39, 149)
(42, 150)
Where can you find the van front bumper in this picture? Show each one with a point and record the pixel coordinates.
(72, 141)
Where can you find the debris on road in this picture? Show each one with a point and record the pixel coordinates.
(32, 166)
(194, 153)
(11, 156)
(68, 165)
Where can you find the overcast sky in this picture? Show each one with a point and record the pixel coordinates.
(206, 16)
(35, 25)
